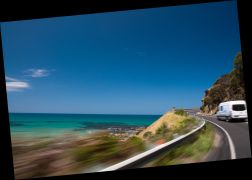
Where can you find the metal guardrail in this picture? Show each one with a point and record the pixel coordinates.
(145, 155)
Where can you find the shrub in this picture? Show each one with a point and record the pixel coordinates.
(186, 125)
(104, 149)
(134, 144)
(180, 112)
(163, 129)
(147, 134)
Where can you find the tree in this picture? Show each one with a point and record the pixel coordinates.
(237, 78)
(238, 62)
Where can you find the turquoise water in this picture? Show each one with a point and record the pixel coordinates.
(52, 124)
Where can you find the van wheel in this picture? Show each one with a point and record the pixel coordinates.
(228, 119)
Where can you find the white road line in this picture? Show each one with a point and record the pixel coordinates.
(230, 141)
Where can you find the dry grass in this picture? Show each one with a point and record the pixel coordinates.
(172, 120)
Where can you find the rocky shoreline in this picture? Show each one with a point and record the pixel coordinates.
(122, 132)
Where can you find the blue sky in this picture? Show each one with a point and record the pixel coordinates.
(128, 62)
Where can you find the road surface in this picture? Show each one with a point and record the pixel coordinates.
(238, 132)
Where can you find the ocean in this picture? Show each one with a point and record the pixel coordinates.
(41, 124)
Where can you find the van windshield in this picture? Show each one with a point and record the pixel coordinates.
(239, 107)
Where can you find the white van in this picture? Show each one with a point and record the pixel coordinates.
(232, 110)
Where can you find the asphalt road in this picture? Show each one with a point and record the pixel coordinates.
(238, 132)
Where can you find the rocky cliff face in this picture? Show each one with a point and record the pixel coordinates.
(228, 87)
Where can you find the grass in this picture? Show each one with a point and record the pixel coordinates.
(162, 130)
(180, 112)
(163, 133)
(168, 124)
(102, 149)
(186, 125)
(191, 151)
(147, 134)
(70, 154)
(135, 142)
(107, 148)
(42, 144)
(46, 157)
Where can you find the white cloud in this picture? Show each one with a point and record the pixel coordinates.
(13, 84)
(7, 78)
(37, 73)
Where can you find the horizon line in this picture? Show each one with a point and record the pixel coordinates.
(80, 113)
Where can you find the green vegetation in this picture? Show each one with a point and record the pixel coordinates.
(147, 134)
(72, 153)
(102, 150)
(133, 144)
(162, 130)
(180, 112)
(228, 87)
(164, 133)
(192, 151)
(42, 144)
(186, 125)
(107, 148)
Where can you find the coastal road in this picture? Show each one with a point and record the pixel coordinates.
(238, 132)
(233, 142)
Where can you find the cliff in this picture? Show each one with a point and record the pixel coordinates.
(228, 87)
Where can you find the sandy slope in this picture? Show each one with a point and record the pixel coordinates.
(170, 119)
